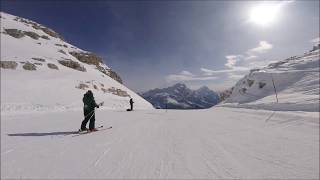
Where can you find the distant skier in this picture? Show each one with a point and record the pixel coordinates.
(131, 104)
(88, 111)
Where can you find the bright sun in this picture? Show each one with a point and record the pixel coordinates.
(264, 14)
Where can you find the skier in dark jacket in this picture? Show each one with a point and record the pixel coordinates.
(131, 104)
(88, 111)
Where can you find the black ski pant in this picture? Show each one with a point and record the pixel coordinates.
(131, 106)
(89, 116)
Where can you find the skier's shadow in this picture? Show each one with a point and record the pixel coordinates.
(45, 134)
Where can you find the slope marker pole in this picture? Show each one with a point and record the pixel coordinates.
(275, 90)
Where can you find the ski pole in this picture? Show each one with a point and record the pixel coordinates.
(100, 104)
(88, 114)
(91, 115)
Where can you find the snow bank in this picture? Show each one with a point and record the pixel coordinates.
(295, 79)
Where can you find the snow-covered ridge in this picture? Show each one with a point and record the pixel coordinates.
(42, 72)
(179, 96)
(295, 79)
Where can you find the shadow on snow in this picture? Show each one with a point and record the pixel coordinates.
(45, 134)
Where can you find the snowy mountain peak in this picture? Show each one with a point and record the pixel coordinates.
(179, 86)
(203, 89)
(179, 96)
(55, 73)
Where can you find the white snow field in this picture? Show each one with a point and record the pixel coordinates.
(296, 80)
(217, 143)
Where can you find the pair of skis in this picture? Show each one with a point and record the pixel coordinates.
(100, 128)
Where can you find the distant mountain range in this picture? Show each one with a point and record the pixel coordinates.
(179, 96)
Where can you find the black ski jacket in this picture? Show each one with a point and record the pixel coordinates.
(89, 103)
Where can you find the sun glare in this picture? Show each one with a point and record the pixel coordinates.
(264, 14)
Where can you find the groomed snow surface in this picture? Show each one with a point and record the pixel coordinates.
(217, 143)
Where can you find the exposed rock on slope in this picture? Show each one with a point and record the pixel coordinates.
(51, 71)
(290, 84)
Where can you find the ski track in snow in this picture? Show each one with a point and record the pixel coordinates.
(218, 143)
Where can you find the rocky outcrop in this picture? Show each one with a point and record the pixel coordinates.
(60, 45)
(262, 84)
(38, 59)
(88, 58)
(115, 76)
(51, 33)
(100, 86)
(45, 37)
(72, 64)
(82, 86)
(29, 66)
(62, 51)
(8, 64)
(33, 35)
(225, 94)
(250, 82)
(37, 26)
(52, 66)
(14, 33)
(118, 92)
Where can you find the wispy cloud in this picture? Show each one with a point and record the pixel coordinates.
(186, 73)
(237, 65)
(187, 76)
(263, 47)
(235, 76)
(251, 57)
(232, 60)
(208, 72)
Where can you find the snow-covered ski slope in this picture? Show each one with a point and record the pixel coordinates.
(296, 81)
(218, 143)
(41, 112)
(47, 89)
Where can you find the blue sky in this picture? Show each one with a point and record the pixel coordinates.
(158, 43)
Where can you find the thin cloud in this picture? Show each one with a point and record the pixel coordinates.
(232, 72)
(232, 60)
(251, 57)
(208, 72)
(235, 76)
(187, 76)
(263, 47)
(186, 73)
